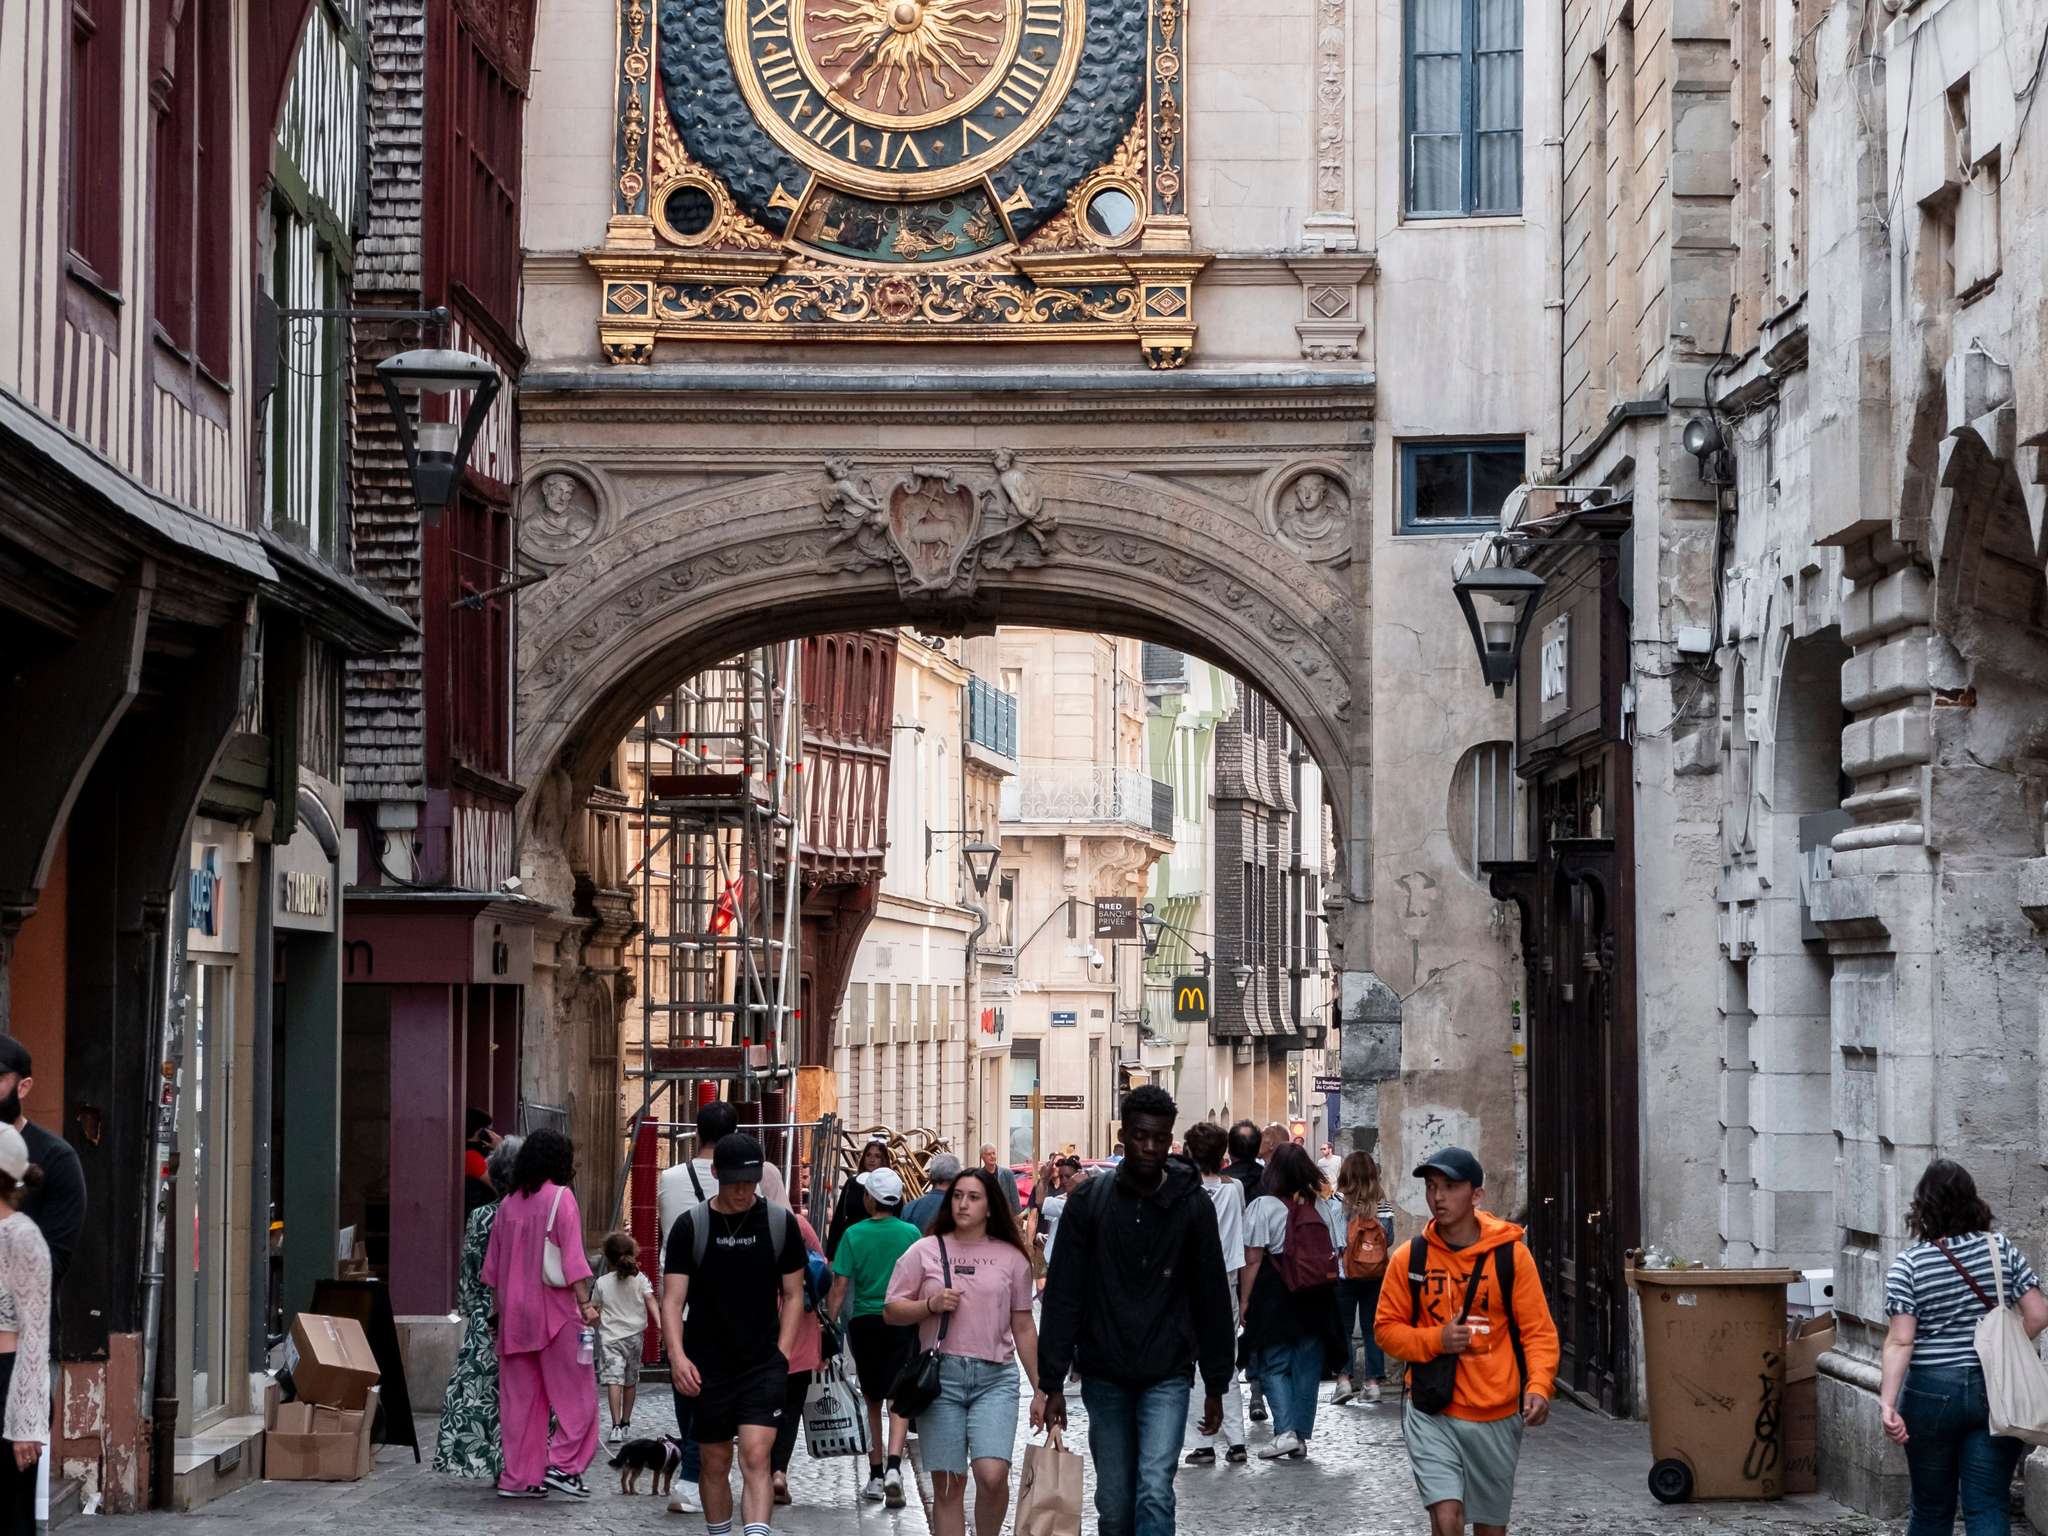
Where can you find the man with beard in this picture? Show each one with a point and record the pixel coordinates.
(58, 1206)
(1136, 1299)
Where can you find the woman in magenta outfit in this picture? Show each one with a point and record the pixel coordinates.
(539, 1326)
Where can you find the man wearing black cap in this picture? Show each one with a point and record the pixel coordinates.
(1482, 1350)
(58, 1207)
(737, 1262)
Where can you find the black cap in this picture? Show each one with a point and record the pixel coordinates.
(1455, 1164)
(736, 1160)
(14, 1057)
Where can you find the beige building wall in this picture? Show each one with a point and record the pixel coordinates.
(903, 1045)
(1076, 825)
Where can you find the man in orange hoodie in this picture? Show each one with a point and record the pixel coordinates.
(1463, 1305)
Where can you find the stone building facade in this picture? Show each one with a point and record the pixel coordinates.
(1805, 235)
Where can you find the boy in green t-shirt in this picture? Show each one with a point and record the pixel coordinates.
(866, 1259)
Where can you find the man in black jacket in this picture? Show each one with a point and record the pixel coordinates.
(1136, 1298)
(58, 1207)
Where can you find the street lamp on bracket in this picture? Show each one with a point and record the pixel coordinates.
(981, 858)
(1499, 601)
(435, 451)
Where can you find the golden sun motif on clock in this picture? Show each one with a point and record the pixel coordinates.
(906, 63)
(904, 98)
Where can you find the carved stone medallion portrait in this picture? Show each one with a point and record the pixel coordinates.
(559, 514)
(1311, 512)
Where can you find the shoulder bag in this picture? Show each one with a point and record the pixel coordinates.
(551, 1251)
(1433, 1383)
(2015, 1380)
(917, 1384)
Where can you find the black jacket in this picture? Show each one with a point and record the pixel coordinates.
(1137, 1291)
(58, 1208)
(1249, 1173)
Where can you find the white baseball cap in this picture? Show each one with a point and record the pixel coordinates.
(13, 1153)
(885, 1184)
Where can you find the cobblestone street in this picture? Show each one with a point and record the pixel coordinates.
(1579, 1474)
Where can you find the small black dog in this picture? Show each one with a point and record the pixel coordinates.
(661, 1457)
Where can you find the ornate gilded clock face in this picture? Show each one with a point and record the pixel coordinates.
(904, 98)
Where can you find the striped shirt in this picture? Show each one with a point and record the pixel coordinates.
(1922, 1284)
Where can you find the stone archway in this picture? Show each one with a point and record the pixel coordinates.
(685, 514)
(681, 524)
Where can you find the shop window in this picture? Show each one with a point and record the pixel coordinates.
(1464, 108)
(1457, 487)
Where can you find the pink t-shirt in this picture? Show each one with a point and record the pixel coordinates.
(993, 1279)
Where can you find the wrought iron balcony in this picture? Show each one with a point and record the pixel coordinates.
(1084, 793)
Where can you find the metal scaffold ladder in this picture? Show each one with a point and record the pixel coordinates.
(720, 759)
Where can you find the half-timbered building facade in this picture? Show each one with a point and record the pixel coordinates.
(174, 610)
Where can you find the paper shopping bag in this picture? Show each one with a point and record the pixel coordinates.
(1049, 1497)
(833, 1422)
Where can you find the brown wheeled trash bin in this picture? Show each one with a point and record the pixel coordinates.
(1714, 1360)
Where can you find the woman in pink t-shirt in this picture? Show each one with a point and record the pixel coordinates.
(973, 1275)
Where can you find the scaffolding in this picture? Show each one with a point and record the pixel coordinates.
(720, 759)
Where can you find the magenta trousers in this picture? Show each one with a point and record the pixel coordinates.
(533, 1384)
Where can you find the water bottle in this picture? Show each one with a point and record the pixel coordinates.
(586, 1346)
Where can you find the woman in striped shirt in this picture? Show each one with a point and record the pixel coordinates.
(1932, 1395)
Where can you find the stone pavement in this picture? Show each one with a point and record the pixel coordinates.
(1580, 1473)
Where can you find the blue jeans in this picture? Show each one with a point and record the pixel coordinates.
(1952, 1456)
(1134, 1437)
(1291, 1373)
(1357, 1301)
(693, 1458)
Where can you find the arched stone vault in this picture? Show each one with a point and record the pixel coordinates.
(682, 524)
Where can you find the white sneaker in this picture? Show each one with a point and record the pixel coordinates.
(1343, 1392)
(686, 1500)
(892, 1487)
(874, 1490)
(1285, 1444)
(1372, 1392)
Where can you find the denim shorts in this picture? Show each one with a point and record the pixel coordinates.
(975, 1415)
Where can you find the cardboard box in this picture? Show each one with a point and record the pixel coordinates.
(1799, 1436)
(309, 1443)
(1809, 1340)
(335, 1368)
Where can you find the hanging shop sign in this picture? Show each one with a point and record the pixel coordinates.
(302, 885)
(1116, 917)
(1190, 999)
(212, 889)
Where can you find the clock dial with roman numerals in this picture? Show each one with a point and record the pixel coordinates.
(904, 98)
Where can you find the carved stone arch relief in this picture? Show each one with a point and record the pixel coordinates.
(968, 541)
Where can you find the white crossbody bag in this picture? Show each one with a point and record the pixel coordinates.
(551, 1251)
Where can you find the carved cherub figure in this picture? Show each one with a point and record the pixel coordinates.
(1023, 516)
(858, 513)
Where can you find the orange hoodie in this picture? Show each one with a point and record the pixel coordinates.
(1486, 1388)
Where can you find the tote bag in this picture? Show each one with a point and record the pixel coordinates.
(1049, 1494)
(551, 1251)
(2015, 1380)
(833, 1422)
